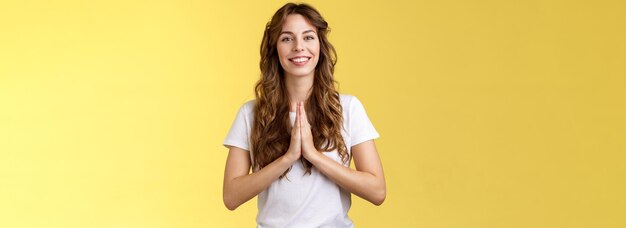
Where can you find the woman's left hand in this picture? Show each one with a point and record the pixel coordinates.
(308, 148)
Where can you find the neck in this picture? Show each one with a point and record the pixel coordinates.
(299, 88)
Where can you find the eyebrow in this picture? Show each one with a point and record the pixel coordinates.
(291, 33)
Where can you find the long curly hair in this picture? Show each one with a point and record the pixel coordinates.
(271, 129)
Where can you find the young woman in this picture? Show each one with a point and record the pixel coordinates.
(299, 134)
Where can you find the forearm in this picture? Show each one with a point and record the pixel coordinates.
(241, 189)
(363, 184)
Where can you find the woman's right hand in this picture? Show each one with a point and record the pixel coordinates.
(295, 146)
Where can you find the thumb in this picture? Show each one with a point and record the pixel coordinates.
(296, 124)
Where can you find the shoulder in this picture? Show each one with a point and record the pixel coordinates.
(249, 105)
(346, 100)
(246, 110)
(350, 103)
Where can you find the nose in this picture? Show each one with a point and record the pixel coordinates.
(298, 46)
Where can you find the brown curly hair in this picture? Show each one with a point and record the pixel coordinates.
(271, 129)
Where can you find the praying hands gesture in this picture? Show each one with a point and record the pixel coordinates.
(367, 181)
(301, 137)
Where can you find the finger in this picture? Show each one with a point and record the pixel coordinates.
(299, 124)
(298, 117)
(301, 109)
(302, 121)
(296, 124)
(305, 119)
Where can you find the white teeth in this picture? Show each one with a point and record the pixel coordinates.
(300, 60)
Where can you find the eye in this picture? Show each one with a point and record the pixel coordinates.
(285, 39)
(309, 38)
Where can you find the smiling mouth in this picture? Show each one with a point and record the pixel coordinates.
(300, 59)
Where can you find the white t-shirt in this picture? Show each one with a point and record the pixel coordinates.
(305, 200)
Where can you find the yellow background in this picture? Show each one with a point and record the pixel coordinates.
(491, 113)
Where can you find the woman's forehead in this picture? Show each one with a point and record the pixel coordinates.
(296, 23)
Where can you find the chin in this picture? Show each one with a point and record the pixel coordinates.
(300, 73)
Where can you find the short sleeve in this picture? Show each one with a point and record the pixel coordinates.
(361, 128)
(238, 134)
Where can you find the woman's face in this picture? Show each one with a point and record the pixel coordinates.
(298, 46)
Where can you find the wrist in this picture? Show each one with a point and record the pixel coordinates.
(288, 158)
(312, 155)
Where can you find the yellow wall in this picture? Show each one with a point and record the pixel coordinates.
(491, 113)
